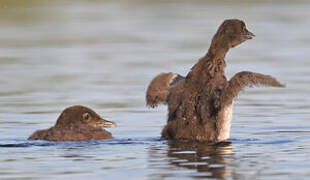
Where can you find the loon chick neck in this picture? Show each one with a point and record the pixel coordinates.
(231, 33)
(218, 48)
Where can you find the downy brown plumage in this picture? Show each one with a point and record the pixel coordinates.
(76, 123)
(200, 105)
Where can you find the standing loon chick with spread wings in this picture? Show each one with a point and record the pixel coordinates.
(200, 104)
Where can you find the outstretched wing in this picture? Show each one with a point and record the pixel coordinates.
(244, 79)
(158, 90)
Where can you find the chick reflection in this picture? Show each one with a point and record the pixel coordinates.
(203, 157)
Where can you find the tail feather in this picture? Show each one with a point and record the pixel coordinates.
(158, 90)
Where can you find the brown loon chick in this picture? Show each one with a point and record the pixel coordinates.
(200, 105)
(76, 123)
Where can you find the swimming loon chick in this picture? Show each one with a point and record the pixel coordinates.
(76, 123)
(200, 105)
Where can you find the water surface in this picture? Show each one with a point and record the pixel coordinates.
(102, 54)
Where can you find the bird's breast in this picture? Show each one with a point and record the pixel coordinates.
(224, 122)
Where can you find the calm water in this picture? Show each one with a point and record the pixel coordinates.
(102, 54)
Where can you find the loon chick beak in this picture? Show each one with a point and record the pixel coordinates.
(250, 35)
(106, 124)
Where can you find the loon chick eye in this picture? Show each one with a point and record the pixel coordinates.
(86, 116)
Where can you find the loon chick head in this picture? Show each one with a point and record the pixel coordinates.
(231, 33)
(76, 123)
(78, 115)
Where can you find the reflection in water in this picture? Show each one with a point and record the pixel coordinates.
(208, 161)
(202, 157)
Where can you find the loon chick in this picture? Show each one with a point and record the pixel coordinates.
(76, 123)
(200, 105)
